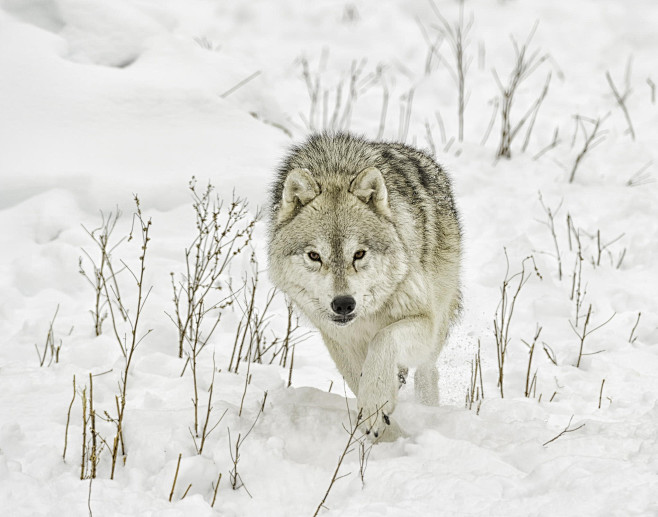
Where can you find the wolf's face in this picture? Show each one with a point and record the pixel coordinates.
(337, 256)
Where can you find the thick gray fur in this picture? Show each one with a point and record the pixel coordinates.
(338, 195)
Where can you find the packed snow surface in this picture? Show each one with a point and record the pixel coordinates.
(102, 100)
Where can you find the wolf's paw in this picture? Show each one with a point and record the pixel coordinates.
(374, 414)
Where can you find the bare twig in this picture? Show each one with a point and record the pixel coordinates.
(505, 312)
(68, 419)
(240, 84)
(173, 485)
(632, 337)
(592, 140)
(564, 431)
(621, 100)
(585, 333)
(601, 392)
(524, 66)
(550, 223)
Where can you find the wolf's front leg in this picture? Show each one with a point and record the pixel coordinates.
(406, 341)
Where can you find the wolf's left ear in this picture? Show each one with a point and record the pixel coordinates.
(300, 188)
(369, 187)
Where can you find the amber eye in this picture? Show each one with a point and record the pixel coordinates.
(359, 254)
(314, 255)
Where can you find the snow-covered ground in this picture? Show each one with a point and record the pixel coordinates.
(100, 100)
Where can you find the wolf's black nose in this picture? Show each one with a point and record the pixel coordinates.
(343, 305)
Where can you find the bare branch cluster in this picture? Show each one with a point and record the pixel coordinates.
(525, 65)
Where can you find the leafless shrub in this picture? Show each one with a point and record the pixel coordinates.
(103, 278)
(526, 63)
(51, 346)
(222, 233)
(133, 338)
(457, 36)
(92, 442)
(509, 293)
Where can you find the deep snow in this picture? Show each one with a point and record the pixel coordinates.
(100, 100)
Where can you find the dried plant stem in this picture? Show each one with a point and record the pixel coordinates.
(621, 100)
(173, 485)
(531, 349)
(550, 223)
(582, 335)
(564, 431)
(135, 337)
(601, 392)
(348, 446)
(592, 140)
(68, 419)
(524, 66)
(215, 488)
(505, 312)
(632, 339)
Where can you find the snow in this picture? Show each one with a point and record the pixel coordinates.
(100, 100)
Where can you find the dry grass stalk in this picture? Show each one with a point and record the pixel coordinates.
(173, 485)
(550, 223)
(457, 36)
(475, 391)
(529, 384)
(135, 337)
(621, 100)
(234, 451)
(509, 293)
(68, 419)
(526, 63)
(601, 392)
(50, 345)
(351, 438)
(103, 271)
(593, 139)
(632, 337)
(582, 335)
(215, 487)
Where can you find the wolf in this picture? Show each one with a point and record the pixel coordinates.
(365, 238)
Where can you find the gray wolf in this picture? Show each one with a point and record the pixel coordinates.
(365, 238)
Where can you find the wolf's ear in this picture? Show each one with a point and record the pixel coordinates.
(369, 187)
(299, 189)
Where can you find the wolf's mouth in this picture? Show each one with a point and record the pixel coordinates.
(343, 320)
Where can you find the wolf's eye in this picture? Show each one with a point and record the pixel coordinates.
(314, 255)
(359, 254)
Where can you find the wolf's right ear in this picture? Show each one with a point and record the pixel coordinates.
(369, 187)
(300, 188)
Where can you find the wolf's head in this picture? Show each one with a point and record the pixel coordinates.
(333, 246)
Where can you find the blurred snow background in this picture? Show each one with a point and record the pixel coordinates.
(100, 100)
